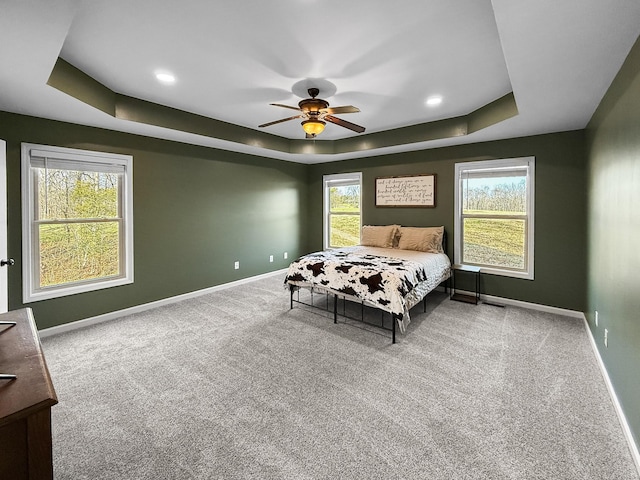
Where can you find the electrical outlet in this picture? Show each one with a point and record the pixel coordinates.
(606, 338)
(286, 255)
(596, 318)
(236, 265)
(271, 258)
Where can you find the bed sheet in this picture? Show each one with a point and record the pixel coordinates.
(389, 279)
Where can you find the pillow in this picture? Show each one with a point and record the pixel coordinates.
(425, 239)
(378, 236)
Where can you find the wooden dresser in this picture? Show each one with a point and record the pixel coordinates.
(25, 402)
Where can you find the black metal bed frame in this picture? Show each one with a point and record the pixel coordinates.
(336, 297)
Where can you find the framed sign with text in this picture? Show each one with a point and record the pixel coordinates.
(406, 191)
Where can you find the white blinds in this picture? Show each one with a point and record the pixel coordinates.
(343, 182)
(75, 162)
(494, 172)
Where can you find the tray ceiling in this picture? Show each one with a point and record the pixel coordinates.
(553, 60)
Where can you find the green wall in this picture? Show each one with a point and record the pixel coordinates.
(614, 234)
(196, 211)
(560, 208)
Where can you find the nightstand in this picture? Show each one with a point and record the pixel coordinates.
(461, 297)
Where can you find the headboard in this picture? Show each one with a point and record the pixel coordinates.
(444, 242)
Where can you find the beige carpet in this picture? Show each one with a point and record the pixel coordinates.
(235, 385)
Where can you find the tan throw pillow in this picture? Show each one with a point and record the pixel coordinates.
(378, 236)
(422, 239)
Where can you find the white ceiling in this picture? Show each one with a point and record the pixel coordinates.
(231, 59)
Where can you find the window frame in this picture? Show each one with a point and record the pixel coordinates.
(338, 180)
(31, 292)
(528, 217)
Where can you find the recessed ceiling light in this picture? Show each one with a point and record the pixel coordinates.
(165, 77)
(433, 101)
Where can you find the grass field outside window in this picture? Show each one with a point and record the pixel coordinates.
(494, 216)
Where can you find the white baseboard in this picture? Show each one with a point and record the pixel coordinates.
(573, 313)
(490, 299)
(67, 327)
(614, 398)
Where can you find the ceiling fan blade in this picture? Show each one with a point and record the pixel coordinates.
(285, 106)
(344, 123)
(344, 109)
(280, 121)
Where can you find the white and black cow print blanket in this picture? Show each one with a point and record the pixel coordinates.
(382, 281)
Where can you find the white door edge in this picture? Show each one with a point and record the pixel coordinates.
(4, 283)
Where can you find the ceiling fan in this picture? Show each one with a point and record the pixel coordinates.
(316, 112)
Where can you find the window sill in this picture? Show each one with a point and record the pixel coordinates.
(53, 292)
(502, 272)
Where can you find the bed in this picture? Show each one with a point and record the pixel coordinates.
(393, 269)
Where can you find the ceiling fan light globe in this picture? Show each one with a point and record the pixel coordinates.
(313, 127)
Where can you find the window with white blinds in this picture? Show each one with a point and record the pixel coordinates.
(494, 216)
(342, 209)
(77, 221)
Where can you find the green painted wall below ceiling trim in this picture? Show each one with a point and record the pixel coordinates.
(613, 283)
(560, 208)
(197, 210)
(74, 82)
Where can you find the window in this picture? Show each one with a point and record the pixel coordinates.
(77, 221)
(494, 216)
(342, 210)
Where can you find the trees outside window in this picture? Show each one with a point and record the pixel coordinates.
(77, 221)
